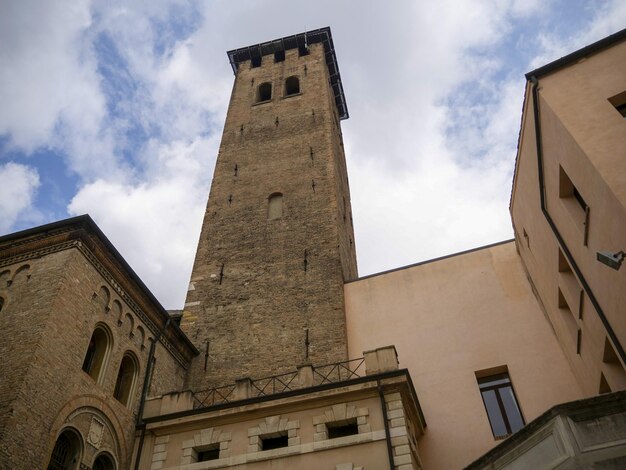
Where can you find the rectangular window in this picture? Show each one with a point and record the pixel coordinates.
(342, 428)
(619, 102)
(209, 453)
(501, 405)
(269, 443)
(575, 202)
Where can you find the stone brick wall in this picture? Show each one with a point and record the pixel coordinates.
(259, 284)
(50, 313)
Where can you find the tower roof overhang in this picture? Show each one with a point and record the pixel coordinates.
(297, 41)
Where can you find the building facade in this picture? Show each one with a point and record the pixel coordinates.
(506, 356)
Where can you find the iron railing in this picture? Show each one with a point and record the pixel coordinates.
(213, 396)
(324, 374)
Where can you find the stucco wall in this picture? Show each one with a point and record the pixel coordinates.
(449, 319)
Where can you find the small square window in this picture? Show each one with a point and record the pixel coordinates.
(255, 62)
(279, 56)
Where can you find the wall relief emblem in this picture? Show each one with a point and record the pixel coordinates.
(96, 431)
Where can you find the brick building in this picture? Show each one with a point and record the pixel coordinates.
(508, 355)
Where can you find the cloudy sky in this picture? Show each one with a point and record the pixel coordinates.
(115, 109)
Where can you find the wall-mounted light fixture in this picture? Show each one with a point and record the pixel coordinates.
(612, 260)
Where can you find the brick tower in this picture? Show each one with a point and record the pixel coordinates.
(277, 243)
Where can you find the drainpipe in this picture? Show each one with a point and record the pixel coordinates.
(387, 434)
(607, 326)
(144, 392)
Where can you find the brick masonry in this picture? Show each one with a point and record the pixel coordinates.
(258, 283)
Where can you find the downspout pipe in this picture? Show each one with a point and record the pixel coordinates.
(144, 392)
(387, 434)
(542, 197)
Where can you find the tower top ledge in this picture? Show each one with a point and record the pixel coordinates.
(298, 41)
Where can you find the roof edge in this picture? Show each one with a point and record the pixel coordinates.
(579, 54)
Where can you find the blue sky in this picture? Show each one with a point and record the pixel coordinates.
(115, 109)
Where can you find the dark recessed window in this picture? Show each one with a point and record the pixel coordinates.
(255, 62)
(619, 102)
(269, 443)
(501, 404)
(264, 92)
(303, 50)
(1, 303)
(210, 453)
(342, 428)
(279, 56)
(292, 86)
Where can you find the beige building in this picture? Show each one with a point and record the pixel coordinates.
(506, 356)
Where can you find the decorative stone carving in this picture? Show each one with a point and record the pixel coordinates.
(96, 431)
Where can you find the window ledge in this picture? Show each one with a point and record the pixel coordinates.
(292, 95)
(262, 102)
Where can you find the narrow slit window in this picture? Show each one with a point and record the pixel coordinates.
(501, 404)
(292, 86)
(275, 206)
(264, 92)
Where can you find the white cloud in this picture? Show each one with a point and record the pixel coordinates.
(18, 187)
(155, 224)
(434, 110)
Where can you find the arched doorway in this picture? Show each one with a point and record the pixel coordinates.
(103, 462)
(66, 452)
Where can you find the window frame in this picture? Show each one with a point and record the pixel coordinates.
(496, 388)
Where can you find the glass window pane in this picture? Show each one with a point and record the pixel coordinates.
(495, 416)
(512, 410)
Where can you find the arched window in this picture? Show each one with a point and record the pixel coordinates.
(66, 452)
(275, 206)
(126, 378)
(103, 462)
(97, 353)
(292, 86)
(264, 92)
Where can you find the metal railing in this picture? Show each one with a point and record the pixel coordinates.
(213, 396)
(265, 386)
(339, 371)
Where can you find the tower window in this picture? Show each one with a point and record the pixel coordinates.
(501, 404)
(275, 206)
(264, 92)
(97, 352)
(1, 303)
(303, 50)
(255, 62)
(279, 56)
(126, 378)
(292, 86)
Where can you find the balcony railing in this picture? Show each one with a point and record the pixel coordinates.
(306, 376)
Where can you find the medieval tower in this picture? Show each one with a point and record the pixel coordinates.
(277, 244)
